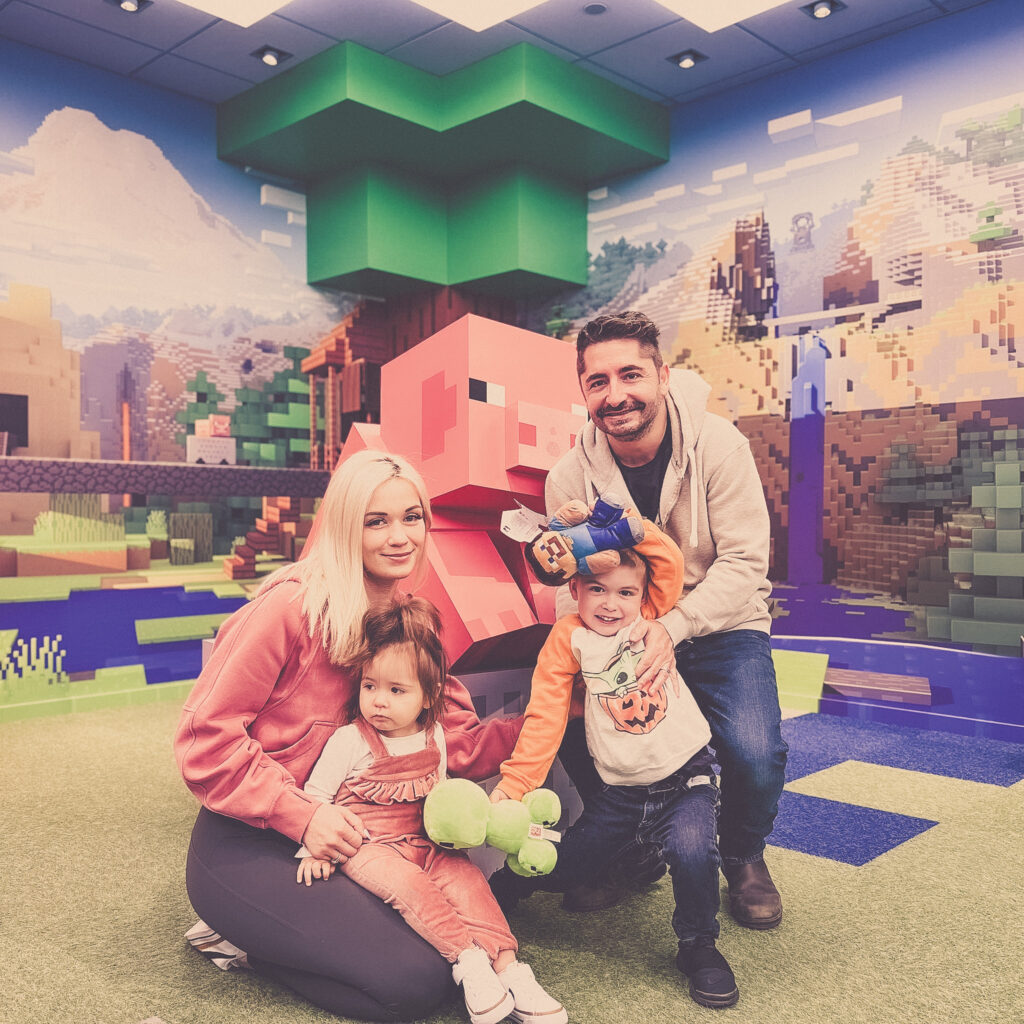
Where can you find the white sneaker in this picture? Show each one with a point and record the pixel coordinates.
(532, 1004)
(487, 998)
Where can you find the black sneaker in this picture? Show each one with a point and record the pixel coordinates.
(711, 979)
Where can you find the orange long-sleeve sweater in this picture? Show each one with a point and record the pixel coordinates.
(551, 688)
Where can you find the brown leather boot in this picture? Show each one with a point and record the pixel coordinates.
(754, 902)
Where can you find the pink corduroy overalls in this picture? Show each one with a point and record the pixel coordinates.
(442, 895)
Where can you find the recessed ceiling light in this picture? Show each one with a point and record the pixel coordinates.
(595, 8)
(131, 6)
(271, 55)
(822, 8)
(687, 59)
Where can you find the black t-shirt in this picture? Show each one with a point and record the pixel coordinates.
(645, 482)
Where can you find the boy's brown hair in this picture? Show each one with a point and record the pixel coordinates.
(413, 624)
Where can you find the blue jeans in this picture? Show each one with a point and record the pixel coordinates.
(732, 678)
(679, 820)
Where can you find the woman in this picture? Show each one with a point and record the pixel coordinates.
(273, 692)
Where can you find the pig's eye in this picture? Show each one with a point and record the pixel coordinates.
(484, 391)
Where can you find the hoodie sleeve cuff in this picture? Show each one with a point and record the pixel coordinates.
(292, 813)
(677, 625)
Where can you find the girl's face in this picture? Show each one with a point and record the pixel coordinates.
(390, 695)
(394, 531)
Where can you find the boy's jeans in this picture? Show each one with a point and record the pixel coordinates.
(732, 678)
(678, 820)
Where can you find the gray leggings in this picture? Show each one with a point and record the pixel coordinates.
(333, 943)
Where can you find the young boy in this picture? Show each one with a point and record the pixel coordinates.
(649, 747)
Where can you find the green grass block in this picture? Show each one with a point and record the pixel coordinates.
(801, 678)
(226, 588)
(7, 638)
(179, 627)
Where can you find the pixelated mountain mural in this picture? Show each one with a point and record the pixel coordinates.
(148, 284)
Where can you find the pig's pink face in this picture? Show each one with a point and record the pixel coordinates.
(485, 411)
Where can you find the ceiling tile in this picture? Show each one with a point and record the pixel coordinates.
(563, 22)
(731, 52)
(957, 5)
(866, 36)
(48, 31)
(163, 24)
(227, 47)
(792, 31)
(192, 79)
(451, 47)
(379, 26)
(626, 83)
(722, 84)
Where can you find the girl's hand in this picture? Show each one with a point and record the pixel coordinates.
(311, 867)
(334, 833)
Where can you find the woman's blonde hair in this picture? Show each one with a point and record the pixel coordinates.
(330, 569)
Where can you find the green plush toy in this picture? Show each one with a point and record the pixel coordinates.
(458, 814)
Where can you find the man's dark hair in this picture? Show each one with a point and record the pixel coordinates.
(627, 325)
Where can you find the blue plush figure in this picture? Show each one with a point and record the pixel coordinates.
(580, 539)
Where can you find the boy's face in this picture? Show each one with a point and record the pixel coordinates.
(611, 600)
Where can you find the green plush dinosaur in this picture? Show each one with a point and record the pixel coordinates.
(458, 814)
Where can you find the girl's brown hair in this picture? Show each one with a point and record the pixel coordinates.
(413, 624)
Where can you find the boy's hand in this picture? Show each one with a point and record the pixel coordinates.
(497, 795)
(659, 656)
(313, 867)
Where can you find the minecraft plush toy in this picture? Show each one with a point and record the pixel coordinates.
(457, 814)
(579, 539)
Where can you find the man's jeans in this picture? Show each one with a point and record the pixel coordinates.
(677, 819)
(732, 678)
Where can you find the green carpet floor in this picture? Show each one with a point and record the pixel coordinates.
(96, 823)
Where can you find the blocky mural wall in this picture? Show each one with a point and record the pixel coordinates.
(143, 283)
(839, 250)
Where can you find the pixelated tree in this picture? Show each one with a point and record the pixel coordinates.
(986, 553)
(205, 400)
(271, 423)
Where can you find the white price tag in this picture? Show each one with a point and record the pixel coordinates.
(522, 524)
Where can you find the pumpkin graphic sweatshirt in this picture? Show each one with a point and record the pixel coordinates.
(712, 505)
(636, 738)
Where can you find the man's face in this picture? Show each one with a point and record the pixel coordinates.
(622, 387)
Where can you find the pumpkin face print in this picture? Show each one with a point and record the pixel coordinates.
(635, 711)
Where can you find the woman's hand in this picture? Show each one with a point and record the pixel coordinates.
(310, 868)
(659, 657)
(334, 833)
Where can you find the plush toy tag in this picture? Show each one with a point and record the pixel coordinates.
(522, 524)
(540, 832)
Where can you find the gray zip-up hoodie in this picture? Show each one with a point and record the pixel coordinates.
(712, 505)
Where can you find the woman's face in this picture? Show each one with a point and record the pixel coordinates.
(394, 531)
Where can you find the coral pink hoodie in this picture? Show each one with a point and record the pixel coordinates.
(269, 699)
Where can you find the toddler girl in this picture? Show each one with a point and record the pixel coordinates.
(381, 766)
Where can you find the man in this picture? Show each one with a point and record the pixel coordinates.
(651, 441)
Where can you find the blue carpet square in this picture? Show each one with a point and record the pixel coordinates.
(844, 832)
(820, 741)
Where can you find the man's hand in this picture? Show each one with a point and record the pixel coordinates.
(659, 657)
(312, 867)
(334, 833)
